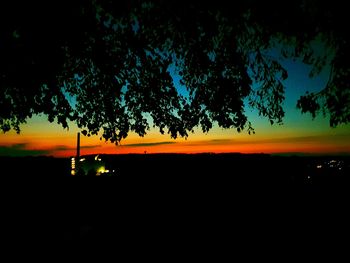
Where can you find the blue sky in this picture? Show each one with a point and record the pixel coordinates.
(299, 132)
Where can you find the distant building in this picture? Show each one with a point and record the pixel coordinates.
(88, 165)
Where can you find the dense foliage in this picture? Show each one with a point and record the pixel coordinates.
(109, 65)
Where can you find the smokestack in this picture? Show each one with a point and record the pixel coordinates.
(78, 145)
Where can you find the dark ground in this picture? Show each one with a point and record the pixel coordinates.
(157, 200)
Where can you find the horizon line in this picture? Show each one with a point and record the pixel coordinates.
(286, 154)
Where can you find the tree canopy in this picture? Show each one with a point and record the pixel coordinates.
(108, 65)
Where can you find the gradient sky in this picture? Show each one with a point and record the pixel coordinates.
(299, 133)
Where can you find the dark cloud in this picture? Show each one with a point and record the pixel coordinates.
(306, 139)
(20, 149)
(150, 144)
(89, 146)
(66, 148)
(299, 139)
(221, 141)
(62, 148)
(292, 139)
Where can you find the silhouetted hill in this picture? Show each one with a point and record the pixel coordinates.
(156, 172)
(199, 197)
(32, 167)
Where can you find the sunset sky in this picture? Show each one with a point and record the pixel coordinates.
(298, 135)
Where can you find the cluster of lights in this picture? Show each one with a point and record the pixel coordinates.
(101, 170)
(72, 163)
(334, 164)
(86, 164)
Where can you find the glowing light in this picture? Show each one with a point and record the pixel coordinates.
(72, 166)
(97, 158)
(82, 160)
(101, 170)
(319, 166)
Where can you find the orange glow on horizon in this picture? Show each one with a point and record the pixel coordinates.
(205, 147)
(50, 140)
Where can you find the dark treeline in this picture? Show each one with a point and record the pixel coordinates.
(201, 196)
(279, 172)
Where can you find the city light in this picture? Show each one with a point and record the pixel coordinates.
(332, 164)
(101, 170)
(72, 166)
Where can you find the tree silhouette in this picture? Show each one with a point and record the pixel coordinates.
(108, 65)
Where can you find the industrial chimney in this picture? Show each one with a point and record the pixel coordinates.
(78, 146)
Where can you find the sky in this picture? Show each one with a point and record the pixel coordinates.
(299, 134)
